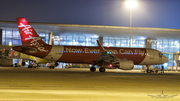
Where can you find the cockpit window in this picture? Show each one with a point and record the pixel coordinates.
(160, 54)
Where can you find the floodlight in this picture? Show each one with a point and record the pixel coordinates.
(131, 4)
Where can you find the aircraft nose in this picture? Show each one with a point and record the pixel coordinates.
(166, 59)
(17, 48)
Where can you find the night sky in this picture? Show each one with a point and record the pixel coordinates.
(149, 13)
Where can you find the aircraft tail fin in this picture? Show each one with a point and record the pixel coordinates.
(29, 37)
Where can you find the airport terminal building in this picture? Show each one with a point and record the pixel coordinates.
(165, 40)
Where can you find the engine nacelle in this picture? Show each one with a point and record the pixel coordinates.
(56, 63)
(124, 64)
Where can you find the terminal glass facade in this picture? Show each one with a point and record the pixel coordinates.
(75, 40)
(12, 38)
(168, 47)
(122, 42)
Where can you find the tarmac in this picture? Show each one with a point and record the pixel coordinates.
(79, 84)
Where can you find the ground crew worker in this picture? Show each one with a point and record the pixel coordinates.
(162, 69)
(66, 66)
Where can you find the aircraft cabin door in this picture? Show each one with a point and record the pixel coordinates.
(151, 54)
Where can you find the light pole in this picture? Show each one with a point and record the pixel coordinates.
(131, 4)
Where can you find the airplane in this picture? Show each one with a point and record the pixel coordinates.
(162, 96)
(105, 57)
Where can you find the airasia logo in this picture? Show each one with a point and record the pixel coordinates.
(13, 53)
(28, 31)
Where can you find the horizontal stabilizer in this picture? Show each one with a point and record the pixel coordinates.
(24, 48)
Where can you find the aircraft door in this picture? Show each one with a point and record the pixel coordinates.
(151, 54)
(55, 52)
(160, 57)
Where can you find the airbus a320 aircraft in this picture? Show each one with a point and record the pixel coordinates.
(111, 58)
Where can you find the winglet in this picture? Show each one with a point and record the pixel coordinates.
(100, 46)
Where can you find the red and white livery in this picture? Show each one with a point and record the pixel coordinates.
(118, 57)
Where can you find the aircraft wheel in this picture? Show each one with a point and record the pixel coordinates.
(151, 71)
(148, 71)
(92, 69)
(23, 63)
(16, 65)
(38, 65)
(50, 67)
(156, 71)
(102, 69)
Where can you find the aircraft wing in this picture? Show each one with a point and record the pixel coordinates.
(104, 54)
(100, 46)
(105, 58)
(171, 96)
(11, 57)
(110, 61)
(15, 55)
(152, 96)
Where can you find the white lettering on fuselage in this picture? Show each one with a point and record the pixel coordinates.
(34, 41)
(121, 51)
(73, 49)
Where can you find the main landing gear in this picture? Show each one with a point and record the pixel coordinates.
(93, 69)
(101, 69)
(148, 70)
(51, 67)
(31, 64)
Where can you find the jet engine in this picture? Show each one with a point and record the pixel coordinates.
(56, 63)
(123, 64)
